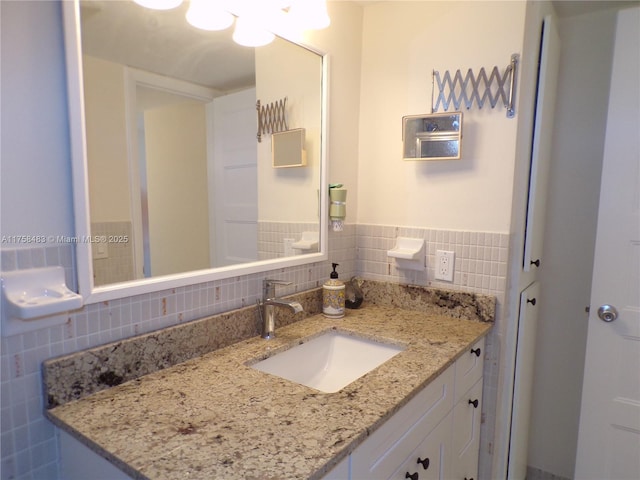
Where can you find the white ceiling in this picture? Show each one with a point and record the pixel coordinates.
(164, 43)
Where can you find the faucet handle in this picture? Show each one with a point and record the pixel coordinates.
(269, 287)
(269, 281)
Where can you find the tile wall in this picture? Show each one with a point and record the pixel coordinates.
(271, 236)
(28, 442)
(118, 266)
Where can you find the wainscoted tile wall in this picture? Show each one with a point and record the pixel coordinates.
(271, 237)
(29, 448)
(480, 258)
(118, 266)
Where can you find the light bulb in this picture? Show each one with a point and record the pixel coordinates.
(159, 4)
(249, 33)
(208, 15)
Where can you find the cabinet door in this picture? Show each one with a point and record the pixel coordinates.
(523, 383)
(466, 434)
(390, 445)
(469, 369)
(549, 62)
(431, 460)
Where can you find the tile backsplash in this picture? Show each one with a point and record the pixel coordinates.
(480, 258)
(29, 448)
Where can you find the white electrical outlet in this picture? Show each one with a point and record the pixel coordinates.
(445, 263)
(288, 247)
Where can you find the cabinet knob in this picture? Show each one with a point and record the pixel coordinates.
(413, 476)
(425, 463)
(476, 351)
(537, 264)
(532, 301)
(474, 403)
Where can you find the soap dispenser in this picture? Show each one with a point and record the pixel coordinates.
(333, 296)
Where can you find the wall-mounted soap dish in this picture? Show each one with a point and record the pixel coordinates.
(409, 253)
(31, 297)
(308, 242)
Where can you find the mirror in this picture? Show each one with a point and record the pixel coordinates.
(288, 149)
(436, 136)
(171, 186)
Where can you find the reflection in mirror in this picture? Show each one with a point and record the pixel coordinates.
(177, 181)
(436, 136)
(287, 149)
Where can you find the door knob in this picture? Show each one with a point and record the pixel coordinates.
(607, 313)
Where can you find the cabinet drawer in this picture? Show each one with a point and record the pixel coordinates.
(469, 369)
(466, 433)
(432, 458)
(390, 445)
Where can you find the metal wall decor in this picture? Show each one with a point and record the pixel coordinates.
(272, 117)
(459, 91)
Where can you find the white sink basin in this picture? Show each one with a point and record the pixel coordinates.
(329, 362)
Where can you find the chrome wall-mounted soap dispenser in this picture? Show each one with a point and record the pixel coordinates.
(333, 296)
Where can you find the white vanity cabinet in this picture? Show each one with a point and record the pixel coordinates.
(466, 434)
(466, 414)
(436, 435)
(432, 458)
(389, 447)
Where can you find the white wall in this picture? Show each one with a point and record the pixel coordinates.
(284, 70)
(403, 42)
(106, 130)
(176, 159)
(343, 41)
(574, 186)
(36, 172)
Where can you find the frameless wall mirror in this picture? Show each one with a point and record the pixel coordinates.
(435, 136)
(288, 149)
(167, 171)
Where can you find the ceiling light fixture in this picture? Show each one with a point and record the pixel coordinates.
(159, 4)
(208, 15)
(257, 21)
(249, 33)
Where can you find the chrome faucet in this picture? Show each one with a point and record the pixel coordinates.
(269, 304)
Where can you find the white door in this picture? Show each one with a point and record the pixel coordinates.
(609, 435)
(233, 165)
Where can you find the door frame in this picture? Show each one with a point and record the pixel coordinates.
(134, 78)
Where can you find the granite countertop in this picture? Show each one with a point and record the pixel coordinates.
(215, 417)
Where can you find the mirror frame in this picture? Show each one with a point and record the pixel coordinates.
(80, 184)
